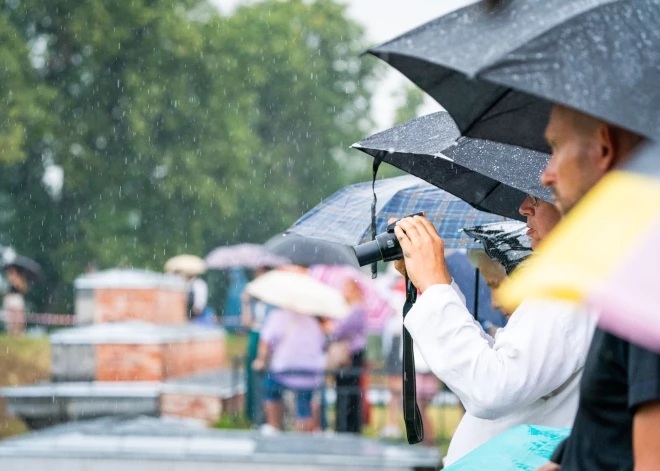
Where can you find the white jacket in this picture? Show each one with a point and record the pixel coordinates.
(528, 374)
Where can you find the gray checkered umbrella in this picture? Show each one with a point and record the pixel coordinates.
(345, 216)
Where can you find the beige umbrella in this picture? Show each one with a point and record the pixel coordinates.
(187, 265)
(299, 293)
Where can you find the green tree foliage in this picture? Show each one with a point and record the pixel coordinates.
(177, 129)
(22, 99)
(301, 62)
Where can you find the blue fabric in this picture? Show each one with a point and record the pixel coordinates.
(273, 391)
(232, 311)
(523, 448)
(463, 273)
(345, 216)
(206, 318)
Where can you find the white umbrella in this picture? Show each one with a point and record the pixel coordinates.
(299, 293)
(187, 265)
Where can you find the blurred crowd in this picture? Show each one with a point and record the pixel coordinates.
(305, 355)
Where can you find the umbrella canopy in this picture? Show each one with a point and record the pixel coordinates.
(243, 256)
(507, 242)
(345, 217)
(594, 238)
(491, 176)
(25, 265)
(497, 73)
(376, 307)
(299, 293)
(305, 252)
(187, 265)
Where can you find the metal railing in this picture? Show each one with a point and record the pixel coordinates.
(445, 407)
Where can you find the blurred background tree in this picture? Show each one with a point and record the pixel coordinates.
(134, 131)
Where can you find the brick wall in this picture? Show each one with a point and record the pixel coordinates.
(149, 305)
(158, 362)
(207, 408)
(129, 363)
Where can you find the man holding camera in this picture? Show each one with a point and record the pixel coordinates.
(528, 373)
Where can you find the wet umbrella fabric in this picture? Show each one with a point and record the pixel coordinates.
(497, 73)
(306, 252)
(27, 266)
(507, 242)
(375, 305)
(188, 265)
(345, 216)
(243, 256)
(491, 176)
(299, 293)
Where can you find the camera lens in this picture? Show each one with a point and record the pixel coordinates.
(386, 248)
(368, 253)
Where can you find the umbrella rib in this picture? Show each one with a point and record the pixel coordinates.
(480, 117)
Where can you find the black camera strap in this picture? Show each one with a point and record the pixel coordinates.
(411, 415)
(374, 168)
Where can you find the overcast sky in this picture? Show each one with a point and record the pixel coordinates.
(383, 20)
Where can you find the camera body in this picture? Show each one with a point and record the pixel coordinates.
(384, 248)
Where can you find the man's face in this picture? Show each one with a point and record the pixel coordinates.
(576, 164)
(541, 216)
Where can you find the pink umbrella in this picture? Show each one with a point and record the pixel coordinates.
(629, 300)
(243, 256)
(376, 306)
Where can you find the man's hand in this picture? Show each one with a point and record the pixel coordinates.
(400, 265)
(549, 466)
(423, 251)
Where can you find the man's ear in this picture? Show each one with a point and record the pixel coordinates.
(607, 148)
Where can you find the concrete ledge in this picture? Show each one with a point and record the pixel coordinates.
(150, 444)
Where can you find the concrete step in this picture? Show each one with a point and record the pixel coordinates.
(145, 444)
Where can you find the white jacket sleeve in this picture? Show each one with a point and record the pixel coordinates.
(541, 347)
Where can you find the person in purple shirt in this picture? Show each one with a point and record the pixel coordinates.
(352, 329)
(291, 342)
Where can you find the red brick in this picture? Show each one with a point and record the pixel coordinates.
(149, 305)
(129, 363)
(207, 408)
(118, 362)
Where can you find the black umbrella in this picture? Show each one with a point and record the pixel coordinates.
(30, 269)
(489, 175)
(306, 252)
(496, 72)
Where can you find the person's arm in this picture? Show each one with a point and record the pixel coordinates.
(645, 437)
(644, 403)
(354, 324)
(532, 357)
(261, 361)
(541, 348)
(555, 460)
(200, 295)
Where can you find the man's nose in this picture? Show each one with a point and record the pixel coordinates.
(548, 174)
(526, 208)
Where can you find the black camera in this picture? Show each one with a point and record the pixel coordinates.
(385, 248)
